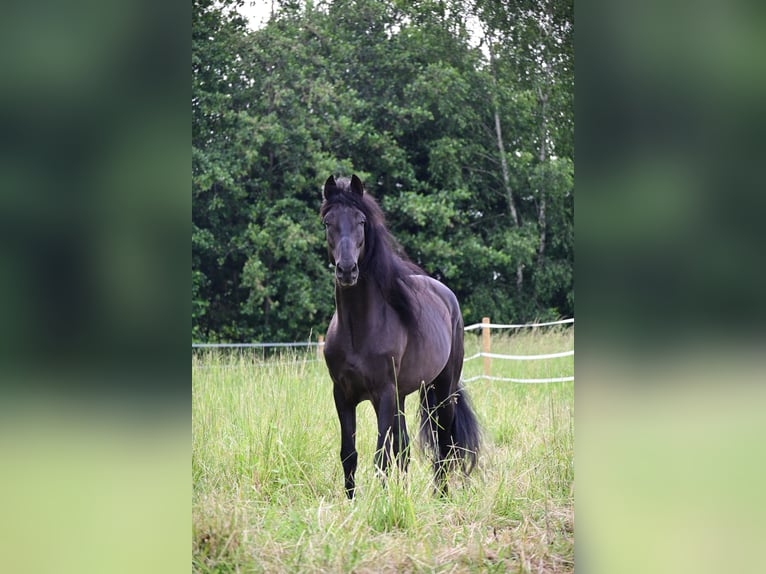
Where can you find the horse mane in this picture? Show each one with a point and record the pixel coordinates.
(384, 263)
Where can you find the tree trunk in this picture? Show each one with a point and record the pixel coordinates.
(504, 167)
(504, 163)
(541, 221)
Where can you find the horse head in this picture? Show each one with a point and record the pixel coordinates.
(345, 227)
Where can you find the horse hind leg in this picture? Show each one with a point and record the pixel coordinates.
(450, 427)
(444, 461)
(437, 412)
(401, 439)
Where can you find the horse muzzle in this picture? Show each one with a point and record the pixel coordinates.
(347, 274)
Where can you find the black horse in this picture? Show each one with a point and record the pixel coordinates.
(395, 330)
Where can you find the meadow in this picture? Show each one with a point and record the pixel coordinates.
(268, 486)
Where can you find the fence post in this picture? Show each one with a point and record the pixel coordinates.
(320, 347)
(486, 345)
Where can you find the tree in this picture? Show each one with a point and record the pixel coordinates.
(468, 151)
(218, 81)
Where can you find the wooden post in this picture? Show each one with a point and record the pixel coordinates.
(320, 347)
(486, 345)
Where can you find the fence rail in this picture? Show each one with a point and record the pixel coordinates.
(253, 345)
(520, 357)
(512, 380)
(486, 326)
(489, 325)
(486, 352)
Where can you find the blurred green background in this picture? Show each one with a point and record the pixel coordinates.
(94, 210)
(94, 308)
(670, 275)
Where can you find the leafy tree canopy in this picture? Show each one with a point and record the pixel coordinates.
(458, 116)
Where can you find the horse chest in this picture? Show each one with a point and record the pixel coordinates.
(360, 372)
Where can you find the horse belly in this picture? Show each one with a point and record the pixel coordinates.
(424, 360)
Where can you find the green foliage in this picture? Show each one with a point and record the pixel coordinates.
(397, 92)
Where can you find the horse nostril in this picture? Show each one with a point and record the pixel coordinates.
(346, 271)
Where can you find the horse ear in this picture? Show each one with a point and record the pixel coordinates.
(356, 185)
(329, 187)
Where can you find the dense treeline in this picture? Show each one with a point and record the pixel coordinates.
(457, 115)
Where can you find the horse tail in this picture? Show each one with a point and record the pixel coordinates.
(464, 432)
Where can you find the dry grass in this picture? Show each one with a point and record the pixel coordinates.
(267, 482)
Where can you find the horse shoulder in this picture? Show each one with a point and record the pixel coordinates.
(333, 346)
(435, 291)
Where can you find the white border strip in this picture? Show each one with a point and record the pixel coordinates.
(501, 326)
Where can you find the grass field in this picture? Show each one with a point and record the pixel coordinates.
(268, 485)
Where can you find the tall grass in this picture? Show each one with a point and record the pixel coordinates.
(268, 486)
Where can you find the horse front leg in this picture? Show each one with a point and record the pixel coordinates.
(392, 433)
(385, 409)
(348, 456)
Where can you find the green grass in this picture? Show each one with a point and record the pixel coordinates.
(268, 485)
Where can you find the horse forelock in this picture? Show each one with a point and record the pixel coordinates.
(341, 194)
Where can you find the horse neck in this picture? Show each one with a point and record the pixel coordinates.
(355, 306)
